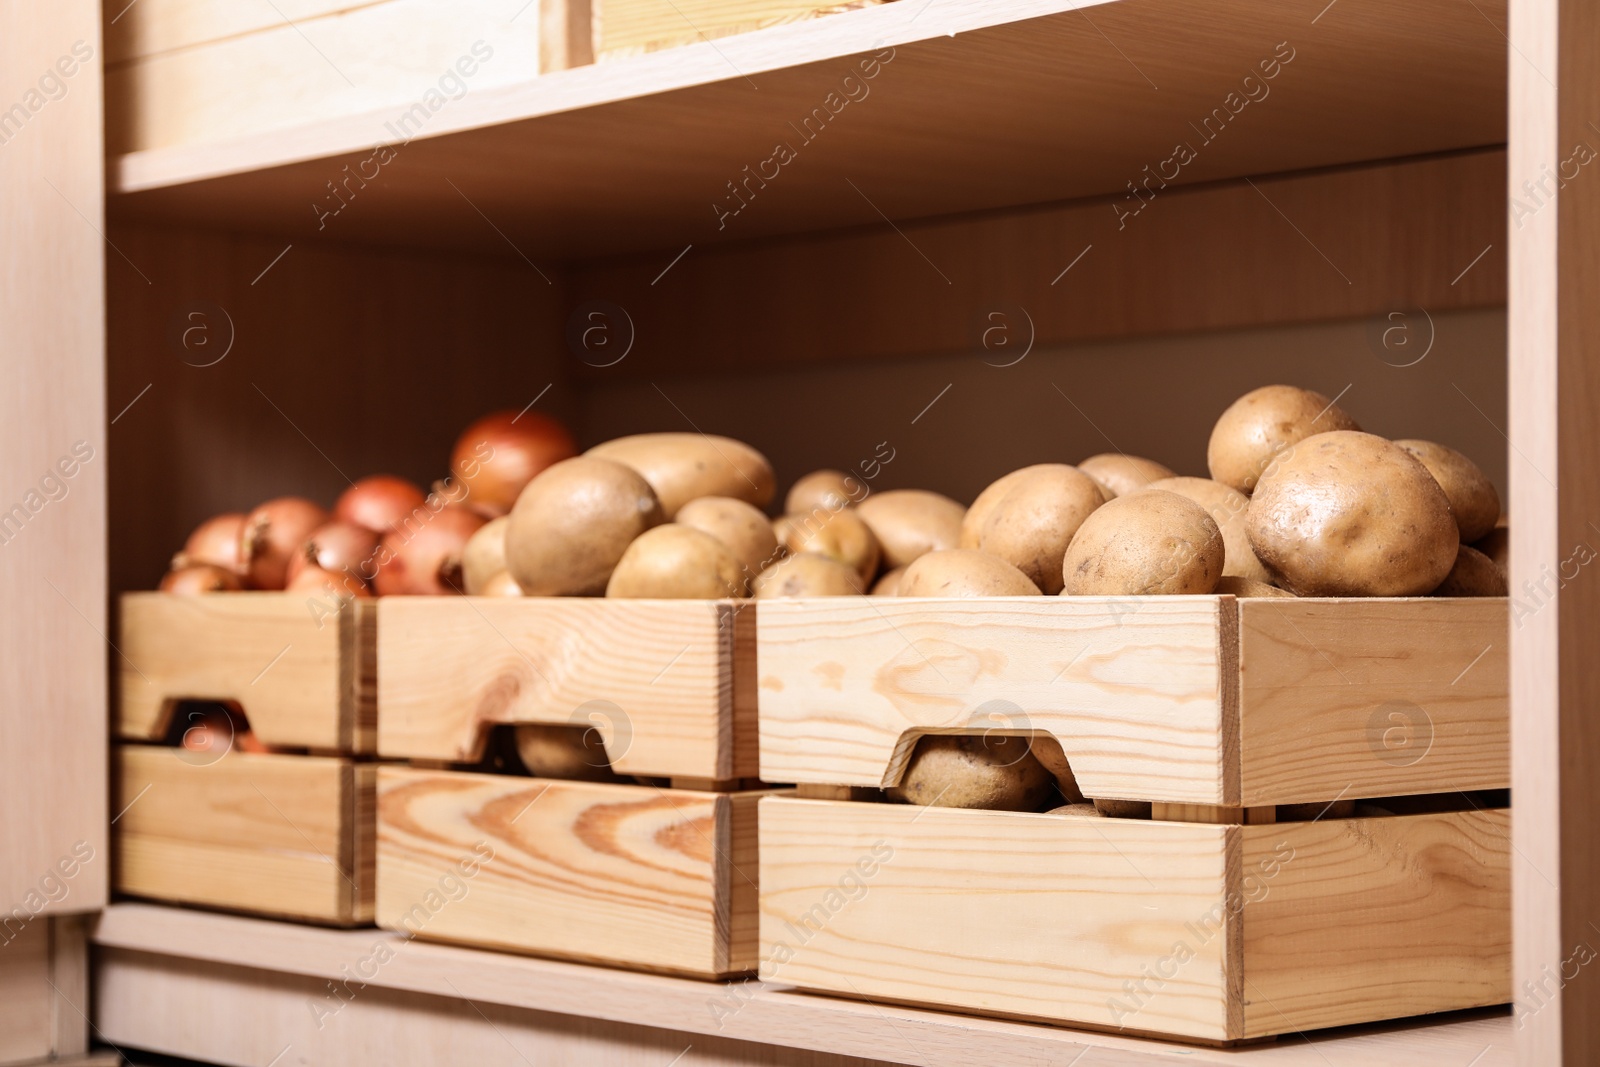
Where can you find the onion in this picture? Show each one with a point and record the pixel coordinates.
(426, 560)
(500, 453)
(272, 533)
(378, 501)
(314, 579)
(485, 555)
(340, 547)
(199, 578)
(215, 541)
(217, 730)
(499, 584)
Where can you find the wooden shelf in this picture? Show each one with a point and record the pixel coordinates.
(752, 1012)
(973, 106)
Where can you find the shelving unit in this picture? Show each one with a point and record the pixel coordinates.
(151, 957)
(987, 171)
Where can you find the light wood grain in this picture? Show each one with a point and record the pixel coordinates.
(53, 640)
(969, 910)
(1131, 688)
(69, 979)
(658, 679)
(269, 834)
(1372, 919)
(301, 673)
(189, 941)
(151, 27)
(680, 124)
(628, 27)
(1352, 698)
(383, 57)
(624, 874)
(26, 1030)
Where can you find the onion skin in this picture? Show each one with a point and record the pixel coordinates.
(339, 547)
(198, 578)
(272, 533)
(378, 501)
(216, 730)
(314, 579)
(216, 542)
(501, 452)
(424, 558)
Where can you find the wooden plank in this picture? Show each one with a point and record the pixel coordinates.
(187, 941)
(1353, 698)
(389, 57)
(1363, 919)
(1132, 688)
(53, 449)
(1552, 334)
(656, 678)
(619, 873)
(299, 671)
(26, 1003)
(69, 982)
(633, 155)
(155, 26)
(628, 27)
(1024, 915)
(739, 868)
(268, 834)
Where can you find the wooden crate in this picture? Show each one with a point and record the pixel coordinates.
(1213, 921)
(304, 677)
(669, 684)
(280, 835)
(576, 32)
(645, 877)
(283, 834)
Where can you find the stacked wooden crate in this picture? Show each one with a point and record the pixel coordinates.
(1318, 833)
(285, 833)
(655, 869)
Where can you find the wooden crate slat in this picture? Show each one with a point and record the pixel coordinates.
(298, 673)
(617, 873)
(628, 27)
(1371, 698)
(264, 833)
(1132, 687)
(1000, 912)
(655, 677)
(1376, 919)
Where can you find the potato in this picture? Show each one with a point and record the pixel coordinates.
(909, 522)
(484, 555)
(742, 527)
(677, 562)
(572, 523)
(1120, 474)
(1122, 809)
(806, 574)
(1473, 497)
(889, 584)
(1227, 507)
(824, 490)
(1029, 517)
(570, 752)
(1260, 425)
(996, 773)
(683, 466)
(499, 584)
(1083, 809)
(841, 535)
(1248, 587)
(1474, 574)
(1496, 544)
(963, 572)
(1349, 514)
(1145, 543)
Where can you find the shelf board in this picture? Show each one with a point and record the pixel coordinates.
(756, 1012)
(981, 106)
